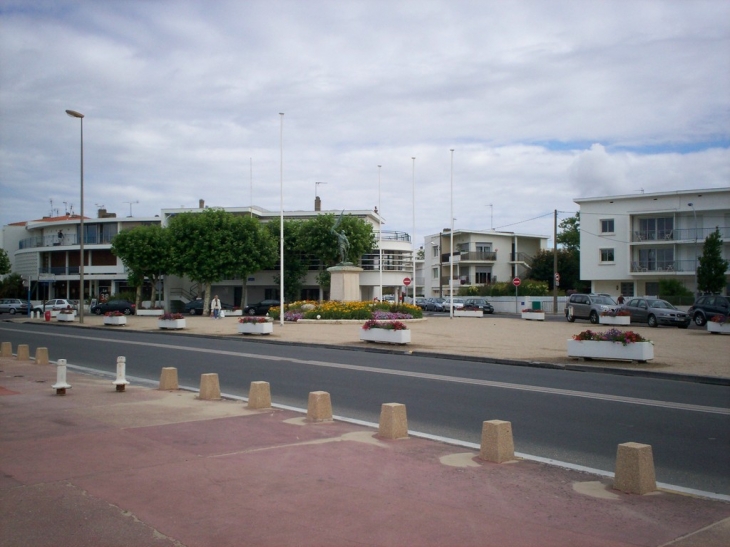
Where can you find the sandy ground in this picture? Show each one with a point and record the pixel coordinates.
(692, 351)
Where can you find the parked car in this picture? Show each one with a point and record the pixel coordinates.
(422, 303)
(260, 308)
(124, 306)
(588, 306)
(195, 307)
(458, 303)
(59, 304)
(13, 306)
(434, 304)
(708, 306)
(478, 303)
(656, 312)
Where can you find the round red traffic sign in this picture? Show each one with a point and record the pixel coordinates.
(407, 281)
(557, 277)
(516, 281)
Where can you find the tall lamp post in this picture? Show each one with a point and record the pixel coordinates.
(80, 116)
(451, 244)
(380, 239)
(413, 238)
(281, 220)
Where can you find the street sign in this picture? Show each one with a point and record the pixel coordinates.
(407, 281)
(557, 279)
(516, 281)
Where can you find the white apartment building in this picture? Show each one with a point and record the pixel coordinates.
(479, 258)
(629, 243)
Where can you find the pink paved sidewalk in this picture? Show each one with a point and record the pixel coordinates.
(151, 468)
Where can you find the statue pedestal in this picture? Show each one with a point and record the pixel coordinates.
(345, 283)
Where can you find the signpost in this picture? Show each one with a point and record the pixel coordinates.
(557, 279)
(516, 282)
(407, 281)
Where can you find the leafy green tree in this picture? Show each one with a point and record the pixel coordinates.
(568, 268)
(254, 247)
(295, 262)
(318, 241)
(569, 237)
(12, 287)
(4, 262)
(672, 288)
(146, 252)
(711, 271)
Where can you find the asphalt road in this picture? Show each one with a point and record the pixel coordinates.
(574, 417)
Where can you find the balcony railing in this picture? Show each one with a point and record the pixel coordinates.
(392, 236)
(66, 241)
(683, 266)
(474, 256)
(680, 234)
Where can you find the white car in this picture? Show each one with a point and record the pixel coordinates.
(59, 304)
(458, 303)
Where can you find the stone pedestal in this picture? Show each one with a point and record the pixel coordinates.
(345, 283)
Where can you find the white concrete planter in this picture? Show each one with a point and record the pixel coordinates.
(533, 315)
(115, 320)
(256, 328)
(386, 336)
(468, 313)
(593, 349)
(717, 328)
(619, 320)
(54, 313)
(234, 313)
(171, 323)
(152, 313)
(68, 317)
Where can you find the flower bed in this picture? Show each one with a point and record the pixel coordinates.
(388, 332)
(255, 325)
(333, 309)
(65, 315)
(720, 324)
(533, 315)
(615, 317)
(115, 318)
(173, 321)
(611, 344)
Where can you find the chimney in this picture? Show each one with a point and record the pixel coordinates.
(317, 203)
(201, 204)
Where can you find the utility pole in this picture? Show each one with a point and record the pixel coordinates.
(555, 262)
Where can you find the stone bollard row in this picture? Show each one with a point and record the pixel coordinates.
(6, 349)
(41, 356)
(23, 353)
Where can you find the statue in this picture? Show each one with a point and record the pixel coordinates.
(343, 245)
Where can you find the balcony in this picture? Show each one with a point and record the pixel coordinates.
(478, 256)
(682, 234)
(669, 267)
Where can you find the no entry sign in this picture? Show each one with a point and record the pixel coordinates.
(516, 281)
(407, 281)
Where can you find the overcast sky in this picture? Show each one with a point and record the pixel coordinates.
(542, 101)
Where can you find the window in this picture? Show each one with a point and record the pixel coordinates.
(651, 229)
(606, 255)
(434, 273)
(483, 276)
(627, 289)
(607, 226)
(435, 251)
(656, 260)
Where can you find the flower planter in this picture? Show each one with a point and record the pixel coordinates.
(69, 317)
(533, 315)
(590, 349)
(256, 328)
(718, 328)
(171, 323)
(234, 313)
(468, 313)
(115, 320)
(152, 313)
(618, 320)
(386, 336)
(54, 313)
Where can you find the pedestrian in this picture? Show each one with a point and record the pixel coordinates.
(620, 299)
(215, 307)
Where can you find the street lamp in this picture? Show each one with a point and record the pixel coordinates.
(380, 238)
(80, 116)
(281, 219)
(413, 238)
(451, 245)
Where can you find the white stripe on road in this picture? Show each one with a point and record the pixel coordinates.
(419, 375)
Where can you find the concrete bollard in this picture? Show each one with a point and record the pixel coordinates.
(319, 407)
(6, 350)
(210, 389)
(23, 352)
(634, 469)
(121, 381)
(497, 443)
(41, 356)
(168, 379)
(259, 395)
(393, 421)
(61, 385)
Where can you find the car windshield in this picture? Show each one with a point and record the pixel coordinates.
(661, 304)
(604, 300)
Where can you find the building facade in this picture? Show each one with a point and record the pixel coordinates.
(630, 243)
(479, 258)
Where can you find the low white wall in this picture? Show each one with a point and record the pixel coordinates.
(506, 304)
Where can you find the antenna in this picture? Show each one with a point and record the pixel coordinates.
(99, 206)
(315, 188)
(130, 206)
(65, 207)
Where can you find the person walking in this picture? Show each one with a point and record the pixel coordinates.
(215, 307)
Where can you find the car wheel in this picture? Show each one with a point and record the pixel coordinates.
(593, 318)
(251, 311)
(127, 311)
(97, 311)
(12, 311)
(192, 311)
(652, 321)
(700, 319)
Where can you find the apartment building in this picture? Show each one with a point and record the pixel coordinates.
(629, 243)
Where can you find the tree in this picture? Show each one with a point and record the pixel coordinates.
(318, 241)
(568, 268)
(146, 252)
(711, 271)
(4, 262)
(12, 287)
(295, 263)
(255, 247)
(569, 237)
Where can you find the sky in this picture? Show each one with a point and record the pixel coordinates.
(542, 102)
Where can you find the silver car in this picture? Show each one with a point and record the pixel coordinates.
(13, 306)
(655, 312)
